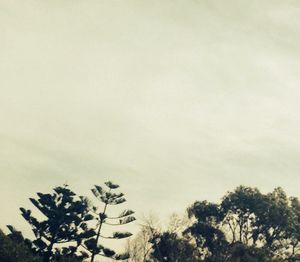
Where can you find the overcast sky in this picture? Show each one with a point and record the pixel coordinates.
(176, 101)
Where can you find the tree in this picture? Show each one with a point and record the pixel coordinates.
(169, 247)
(239, 252)
(295, 230)
(278, 224)
(108, 198)
(178, 223)
(240, 209)
(247, 222)
(140, 247)
(206, 230)
(64, 213)
(13, 249)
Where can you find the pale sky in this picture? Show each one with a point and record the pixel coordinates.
(176, 101)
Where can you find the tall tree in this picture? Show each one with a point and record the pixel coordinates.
(108, 198)
(63, 213)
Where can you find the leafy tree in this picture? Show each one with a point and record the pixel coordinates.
(239, 252)
(240, 209)
(108, 198)
(63, 213)
(278, 224)
(294, 234)
(247, 222)
(206, 230)
(169, 247)
(13, 249)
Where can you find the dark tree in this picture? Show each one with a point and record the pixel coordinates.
(13, 249)
(169, 247)
(239, 252)
(278, 224)
(108, 198)
(63, 214)
(240, 209)
(248, 222)
(206, 232)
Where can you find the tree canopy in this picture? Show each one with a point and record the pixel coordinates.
(245, 226)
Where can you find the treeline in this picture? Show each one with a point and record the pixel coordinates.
(246, 226)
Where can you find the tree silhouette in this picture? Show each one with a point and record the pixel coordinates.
(206, 232)
(168, 246)
(64, 213)
(140, 247)
(108, 198)
(13, 249)
(245, 226)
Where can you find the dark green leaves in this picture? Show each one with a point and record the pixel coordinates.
(121, 235)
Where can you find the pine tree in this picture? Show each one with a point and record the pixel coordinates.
(64, 213)
(108, 198)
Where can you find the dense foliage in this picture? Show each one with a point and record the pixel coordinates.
(245, 226)
(13, 250)
(64, 213)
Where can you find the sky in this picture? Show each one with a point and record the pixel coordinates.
(175, 101)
